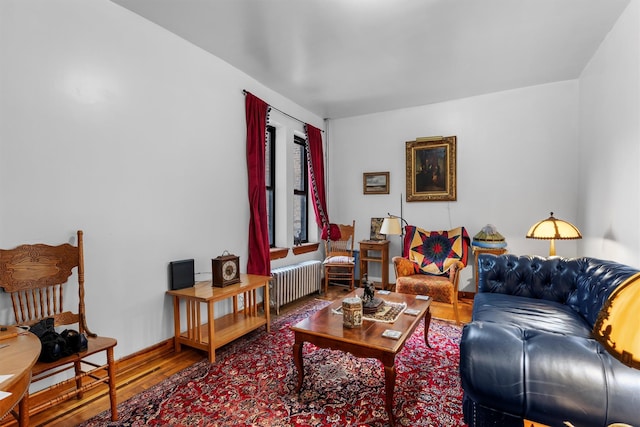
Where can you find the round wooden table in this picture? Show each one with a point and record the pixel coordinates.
(18, 354)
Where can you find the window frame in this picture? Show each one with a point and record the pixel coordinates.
(302, 142)
(270, 147)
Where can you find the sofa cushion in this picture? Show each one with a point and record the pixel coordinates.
(339, 259)
(435, 252)
(529, 313)
(564, 373)
(526, 372)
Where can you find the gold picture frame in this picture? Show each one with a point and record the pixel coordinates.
(375, 183)
(431, 169)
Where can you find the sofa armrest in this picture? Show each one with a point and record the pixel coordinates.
(454, 272)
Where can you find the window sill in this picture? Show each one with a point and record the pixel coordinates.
(305, 248)
(277, 253)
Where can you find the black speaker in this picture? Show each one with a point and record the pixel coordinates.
(181, 274)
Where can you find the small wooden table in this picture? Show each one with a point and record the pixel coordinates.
(218, 332)
(18, 357)
(325, 329)
(381, 246)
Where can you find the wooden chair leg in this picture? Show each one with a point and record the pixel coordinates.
(78, 369)
(455, 310)
(23, 410)
(326, 280)
(111, 370)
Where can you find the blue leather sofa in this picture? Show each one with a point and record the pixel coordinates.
(529, 353)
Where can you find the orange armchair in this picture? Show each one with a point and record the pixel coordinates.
(432, 264)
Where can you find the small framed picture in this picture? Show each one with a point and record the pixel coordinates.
(375, 183)
(376, 224)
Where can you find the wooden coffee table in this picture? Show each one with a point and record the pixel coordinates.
(324, 329)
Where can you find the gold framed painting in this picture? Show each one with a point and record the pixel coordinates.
(375, 183)
(431, 169)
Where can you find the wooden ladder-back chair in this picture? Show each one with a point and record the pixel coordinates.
(339, 263)
(34, 276)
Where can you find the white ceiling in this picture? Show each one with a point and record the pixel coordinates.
(341, 58)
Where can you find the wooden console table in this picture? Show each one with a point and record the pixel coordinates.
(218, 332)
(381, 246)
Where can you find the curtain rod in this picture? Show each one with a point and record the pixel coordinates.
(244, 92)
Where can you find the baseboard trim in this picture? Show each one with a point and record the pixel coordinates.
(136, 359)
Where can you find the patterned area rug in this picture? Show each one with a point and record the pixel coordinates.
(252, 382)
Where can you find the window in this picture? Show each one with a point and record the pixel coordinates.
(270, 182)
(300, 191)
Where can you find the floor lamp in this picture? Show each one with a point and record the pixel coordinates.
(392, 225)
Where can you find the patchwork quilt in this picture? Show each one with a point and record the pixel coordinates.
(434, 252)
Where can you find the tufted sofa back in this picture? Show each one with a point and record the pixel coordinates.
(584, 284)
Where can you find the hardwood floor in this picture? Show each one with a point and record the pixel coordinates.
(139, 372)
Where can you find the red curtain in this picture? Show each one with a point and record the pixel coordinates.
(256, 114)
(315, 158)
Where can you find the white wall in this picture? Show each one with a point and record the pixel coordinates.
(111, 124)
(516, 162)
(609, 130)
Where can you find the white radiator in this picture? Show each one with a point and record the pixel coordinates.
(290, 282)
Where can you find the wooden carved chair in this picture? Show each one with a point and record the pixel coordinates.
(35, 277)
(339, 263)
(431, 264)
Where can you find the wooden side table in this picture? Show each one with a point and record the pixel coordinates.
(218, 332)
(477, 251)
(381, 246)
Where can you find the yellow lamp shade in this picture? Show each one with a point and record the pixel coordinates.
(552, 229)
(617, 325)
(391, 225)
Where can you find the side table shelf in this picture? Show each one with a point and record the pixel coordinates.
(380, 246)
(214, 333)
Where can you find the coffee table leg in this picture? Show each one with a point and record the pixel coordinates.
(427, 322)
(297, 359)
(389, 385)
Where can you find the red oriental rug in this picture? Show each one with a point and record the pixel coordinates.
(252, 382)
